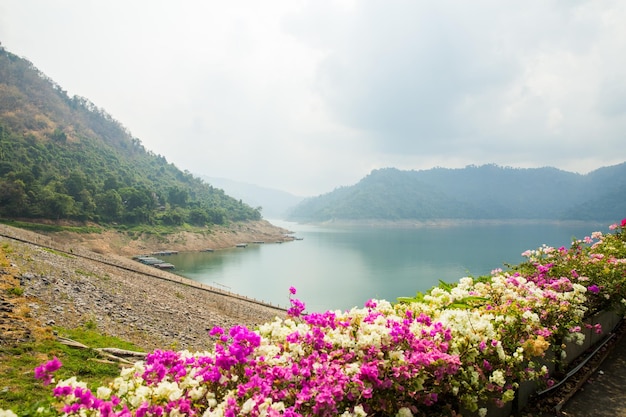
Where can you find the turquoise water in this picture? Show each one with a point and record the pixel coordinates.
(339, 268)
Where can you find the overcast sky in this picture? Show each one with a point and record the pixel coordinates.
(305, 96)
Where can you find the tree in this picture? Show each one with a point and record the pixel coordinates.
(57, 205)
(198, 217)
(13, 198)
(177, 196)
(75, 183)
(109, 205)
(59, 136)
(174, 217)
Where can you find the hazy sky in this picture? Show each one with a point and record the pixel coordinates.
(306, 96)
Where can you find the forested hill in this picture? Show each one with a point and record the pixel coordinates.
(474, 192)
(63, 157)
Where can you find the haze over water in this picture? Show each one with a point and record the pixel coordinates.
(340, 267)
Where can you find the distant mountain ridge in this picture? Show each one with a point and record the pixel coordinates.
(487, 192)
(273, 203)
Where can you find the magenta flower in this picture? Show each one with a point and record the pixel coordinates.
(593, 288)
(370, 304)
(45, 371)
(297, 307)
(292, 290)
(216, 331)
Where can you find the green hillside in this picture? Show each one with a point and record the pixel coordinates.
(487, 192)
(63, 158)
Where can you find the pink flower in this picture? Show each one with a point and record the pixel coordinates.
(593, 288)
(297, 307)
(597, 328)
(216, 331)
(45, 371)
(292, 290)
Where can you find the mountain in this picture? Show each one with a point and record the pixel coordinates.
(274, 204)
(474, 192)
(63, 158)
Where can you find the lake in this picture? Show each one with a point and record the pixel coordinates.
(342, 267)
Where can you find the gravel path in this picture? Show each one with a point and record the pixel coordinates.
(71, 286)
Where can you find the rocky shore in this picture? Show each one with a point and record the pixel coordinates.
(63, 281)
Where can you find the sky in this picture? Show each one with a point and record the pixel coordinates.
(309, 95)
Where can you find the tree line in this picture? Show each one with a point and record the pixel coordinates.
(83, 181)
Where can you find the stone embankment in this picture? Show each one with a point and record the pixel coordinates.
(62, 283)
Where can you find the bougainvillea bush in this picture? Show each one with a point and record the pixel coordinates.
(453, 350)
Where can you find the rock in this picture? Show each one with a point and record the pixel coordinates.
(28, 275)
(6, 306)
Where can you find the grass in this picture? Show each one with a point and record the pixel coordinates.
(23, 394)
(89, 274)
(15, 291)
(6, 248)
(56, 252)
(39, 227)
(135, 231)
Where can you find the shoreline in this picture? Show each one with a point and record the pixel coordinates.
(130, 243)
(442, 223)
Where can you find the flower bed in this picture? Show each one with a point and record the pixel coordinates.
(459, 348)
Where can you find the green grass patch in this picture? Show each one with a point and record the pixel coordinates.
(58, 253)
(6, 248)
(22, 393)
(39, 227)
(15, 291)
(157, 230)
(87, 273)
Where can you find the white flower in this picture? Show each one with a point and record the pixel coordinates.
(497, 377)
(482, 412)
(352, 369)
(72, 382)
(279, 406)
(247, 406)
(196, 393)
(7, 413)
(466, 283)
(168, 390)
(404, 412)
(531, 316)
(103, 393)
(141, 395)
(359, 411)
